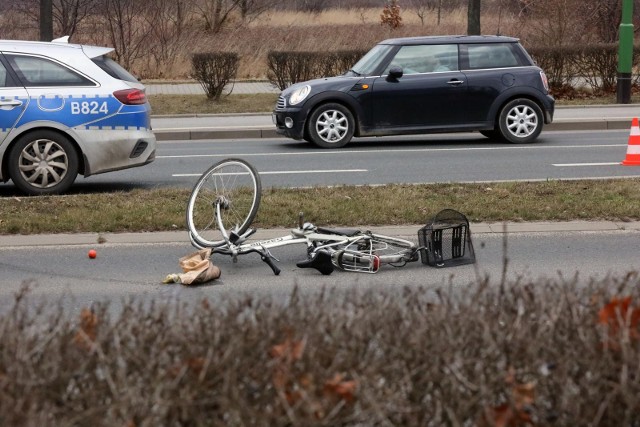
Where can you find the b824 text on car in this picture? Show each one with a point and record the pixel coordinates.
(68, 109)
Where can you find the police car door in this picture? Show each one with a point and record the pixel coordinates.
(13, 100)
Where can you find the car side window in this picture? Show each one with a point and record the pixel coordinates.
(495, 55)
(425, 59)
(38, 72)
(3, 76)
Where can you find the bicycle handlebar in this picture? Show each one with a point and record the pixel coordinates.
(267, 259)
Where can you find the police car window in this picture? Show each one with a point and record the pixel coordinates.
(3, 76)
(37, 72)
(114, 69)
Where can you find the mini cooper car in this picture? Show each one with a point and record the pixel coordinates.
(68, 109)
(423, 85)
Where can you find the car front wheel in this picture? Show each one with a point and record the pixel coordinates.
(331, 126)
(520, 121)
(43, 162)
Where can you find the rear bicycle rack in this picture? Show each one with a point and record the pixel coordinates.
(356, 261)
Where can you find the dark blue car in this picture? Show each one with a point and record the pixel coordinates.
(423, 85)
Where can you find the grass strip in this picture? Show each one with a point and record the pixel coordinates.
(164, 209)
(199, 104)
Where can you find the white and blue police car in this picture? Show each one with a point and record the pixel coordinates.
(68, 109)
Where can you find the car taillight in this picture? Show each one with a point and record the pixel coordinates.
(131, 96)
(545, 82)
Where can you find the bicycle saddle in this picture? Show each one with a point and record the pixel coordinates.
(321, 261)
(339, 231)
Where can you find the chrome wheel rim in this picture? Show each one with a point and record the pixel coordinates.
(522, 121)
(332, 126)
(43, 163)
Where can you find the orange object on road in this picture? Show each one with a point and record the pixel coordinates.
(633, 149)
(92, 254)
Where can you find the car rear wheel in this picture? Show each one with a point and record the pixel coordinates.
(520, 121)
(331, 126)
(43, 162)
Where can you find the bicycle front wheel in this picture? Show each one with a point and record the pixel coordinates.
(234, 184)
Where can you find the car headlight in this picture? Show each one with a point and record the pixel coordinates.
(299, 95)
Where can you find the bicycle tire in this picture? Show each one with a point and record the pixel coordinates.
(237, 183)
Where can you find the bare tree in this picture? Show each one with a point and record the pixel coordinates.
(422, 7)
(46, 21)
(604, 18)
(473, 17)
(127, 31)
(68, 14)
(555, 22)
(215, 13)
(167, 20)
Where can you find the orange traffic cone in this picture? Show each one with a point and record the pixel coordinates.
(633, 150)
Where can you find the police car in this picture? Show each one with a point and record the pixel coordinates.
(68, 109)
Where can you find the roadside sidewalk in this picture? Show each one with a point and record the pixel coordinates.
(406, 231)
(259, 125)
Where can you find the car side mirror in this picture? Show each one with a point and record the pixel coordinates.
(395, 72)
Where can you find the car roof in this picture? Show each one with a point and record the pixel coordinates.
(51, 48)
(449, 39)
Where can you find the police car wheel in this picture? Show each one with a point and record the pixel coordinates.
(43, 162)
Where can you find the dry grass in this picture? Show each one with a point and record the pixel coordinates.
(554, 352)
(164, 209)
(199, 104)
(350, 16)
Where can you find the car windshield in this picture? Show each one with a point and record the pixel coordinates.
(368, 63)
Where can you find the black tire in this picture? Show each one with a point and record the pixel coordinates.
(331, 126)
(520, 121)
(236, 184)
(43, 162)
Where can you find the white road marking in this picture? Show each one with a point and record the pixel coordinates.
(585, 164)
(383, 152)
(287, 172)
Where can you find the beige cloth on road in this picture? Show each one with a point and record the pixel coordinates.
(197, 268)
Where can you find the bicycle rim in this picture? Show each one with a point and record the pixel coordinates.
(237, 185)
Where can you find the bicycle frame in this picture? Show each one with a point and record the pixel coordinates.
(353, 252)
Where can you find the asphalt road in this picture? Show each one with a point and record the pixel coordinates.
(435, 158)
(126, 270)
(136, 271)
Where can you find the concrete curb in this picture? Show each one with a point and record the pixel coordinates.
(407, 231)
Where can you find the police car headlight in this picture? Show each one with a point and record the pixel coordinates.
(299, 95)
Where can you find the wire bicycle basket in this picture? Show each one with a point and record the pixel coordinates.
(446, 240)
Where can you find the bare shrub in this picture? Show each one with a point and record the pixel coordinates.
(287, 68)
(545, 352)
(598, 65)
(214, 71)
(556, 62)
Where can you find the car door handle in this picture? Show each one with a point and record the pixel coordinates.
(9, 105)
(455, 82)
